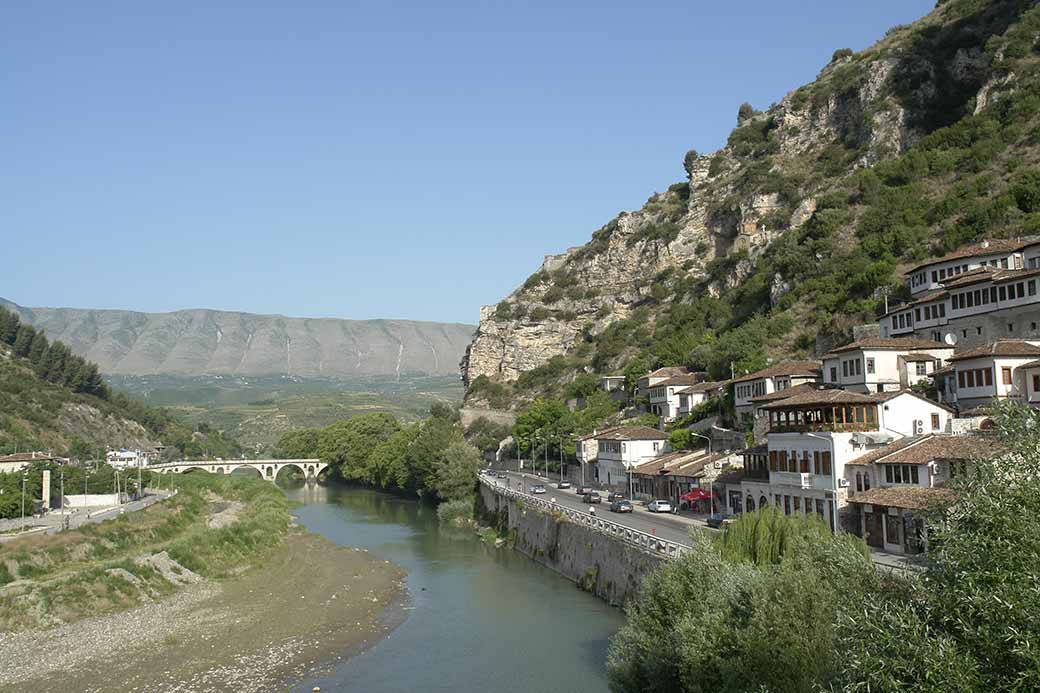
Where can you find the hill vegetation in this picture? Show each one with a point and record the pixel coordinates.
(51, 399)
(798, 228)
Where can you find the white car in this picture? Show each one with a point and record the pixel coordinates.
(538, 489)
(659, 506)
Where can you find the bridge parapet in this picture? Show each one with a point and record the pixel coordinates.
(268, 469)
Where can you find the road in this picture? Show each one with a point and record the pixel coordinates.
(668, 527)
(79, 517)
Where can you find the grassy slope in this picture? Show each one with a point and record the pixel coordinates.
(51, 579)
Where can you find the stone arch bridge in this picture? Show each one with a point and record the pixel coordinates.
(268, 469)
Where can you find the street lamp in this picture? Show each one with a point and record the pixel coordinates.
(711, 496)
(25, 476)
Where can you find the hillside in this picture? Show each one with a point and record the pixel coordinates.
(207, 342)
(780, 242)
(53, 400)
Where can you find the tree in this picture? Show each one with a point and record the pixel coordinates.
(346, 445)
(8, 326)
(38, 348)
(456, 471)
(680, 439)
(841, 54)
(486, 435)
(544, 417)
(23, 340)
(299, 444)
(745, 113)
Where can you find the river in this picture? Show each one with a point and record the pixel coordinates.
(478, 618)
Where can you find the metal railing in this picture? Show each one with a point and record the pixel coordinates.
(642, 540)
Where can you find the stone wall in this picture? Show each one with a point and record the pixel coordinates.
(602, 565)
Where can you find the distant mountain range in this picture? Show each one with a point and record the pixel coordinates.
(202, 342)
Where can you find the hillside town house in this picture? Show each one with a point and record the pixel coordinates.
(878, 364)
(812, 435)
(695, 395)
(975, 295)
(664, 395)
(769, 380)
(620, 449)
(890, 486)
(20, 460)
(644, 384)
(1005, 369)
(586, 452)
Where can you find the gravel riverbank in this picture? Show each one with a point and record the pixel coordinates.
(310, 604)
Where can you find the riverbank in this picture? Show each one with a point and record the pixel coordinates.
(310, 605)
(213, 590)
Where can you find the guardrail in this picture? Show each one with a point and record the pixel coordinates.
(647, 542)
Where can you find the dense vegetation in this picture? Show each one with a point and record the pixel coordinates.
(430, 458)
(781, 604)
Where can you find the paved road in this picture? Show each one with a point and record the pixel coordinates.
(666, 526)
(79, 517)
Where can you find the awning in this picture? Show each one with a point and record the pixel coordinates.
(696, 494)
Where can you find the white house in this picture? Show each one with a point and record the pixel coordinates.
(620, 449)
(644, 384)
(997, 253)
(814, 434)
(694, 395)
(127, 458)
(878, 364)
(610, 383)
(891, 485)
(664, 395)
(20, 460)
(1005, 369)
(779, 377)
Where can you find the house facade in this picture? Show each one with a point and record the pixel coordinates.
(889, 487)
(644, 384)
(814, 434)
(620, 449)
(664, 395)
(769, 380)
(695, 395)
(1005, 369)
(879, 364)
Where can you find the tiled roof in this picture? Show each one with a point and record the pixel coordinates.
(688, 379)
(1003, 347)
(632, 433)
(785, 368)
(932, 446)
(925, 358)
(902, 343)
(784, 394)
(668, 372)
(27, 457)
(985, 248)
(668, 463)
(813, 397)
(907, 497)
(596, 434)
(701, 387)
(975, 276)
(925, 298)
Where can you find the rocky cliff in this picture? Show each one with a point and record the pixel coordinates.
(794, 171)
(198, 342)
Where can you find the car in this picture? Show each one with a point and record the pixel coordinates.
(500, 475)
(718, 521)
(659, 506)
(582, 490)
(592, 498)
(621, 506)
(615, 496)
(537, 488)
(563, 484)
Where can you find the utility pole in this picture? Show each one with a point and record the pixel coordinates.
(63, 499)
(24, 477)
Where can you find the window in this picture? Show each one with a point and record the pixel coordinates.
(1011, 327)
(961, 378)
(891, 529)
(971, 378)
(935, 422)
(827, 462)
(1005, 374)
(870, 365)
(1032, 287)
(917, 314)
(989, 375)
(978, 330)
(1036, 383)
(844, 369)
(834, 374)
(859, 367)
(922, 368)
(866, 481)
(1003, 293)
(935, 277)
(817, 469)
(859, 482)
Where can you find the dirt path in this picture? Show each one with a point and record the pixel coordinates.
(312, 602)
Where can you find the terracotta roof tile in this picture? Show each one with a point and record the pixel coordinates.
(900, 343)
(632, 433)
(811, 368)
(907, 497)
(1003, 347)
(785, 393)
(982, 249)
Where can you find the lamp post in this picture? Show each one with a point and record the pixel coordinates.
(24, 478)
(711, 496)
(834, 478)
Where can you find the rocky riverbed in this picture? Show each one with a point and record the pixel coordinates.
(311, 604)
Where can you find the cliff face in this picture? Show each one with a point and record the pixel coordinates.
(765, 183)
(199, 342)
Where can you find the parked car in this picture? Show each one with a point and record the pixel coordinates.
(592, 498)
(500, 475)
(537, 488)
(621, 506)
(659, 506)
(563, 484)
(615, 496)
(718, 521)
(582, 490)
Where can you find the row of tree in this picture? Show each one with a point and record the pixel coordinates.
(781, 604)
(52, 361)
(430, 458)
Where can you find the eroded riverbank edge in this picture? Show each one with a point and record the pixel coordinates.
(311, 604)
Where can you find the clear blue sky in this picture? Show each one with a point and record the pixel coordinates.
(363, 159)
